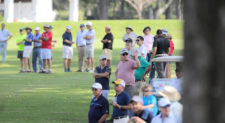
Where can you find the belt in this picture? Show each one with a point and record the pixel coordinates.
(66, 45)
(160, 55)
(37, 47)
(82, 46)
(120, 117)
(89, 44)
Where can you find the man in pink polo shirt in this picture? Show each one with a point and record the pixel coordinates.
(125, 70)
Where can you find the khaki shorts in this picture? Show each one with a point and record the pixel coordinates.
(67, 52)
(89, 51)
(107, 53)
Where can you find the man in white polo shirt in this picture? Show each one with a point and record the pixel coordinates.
(5, 35)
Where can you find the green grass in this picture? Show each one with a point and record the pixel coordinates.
(63, 97)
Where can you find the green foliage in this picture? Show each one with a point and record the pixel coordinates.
(63, 97)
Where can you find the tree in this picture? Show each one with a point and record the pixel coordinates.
(139, 5)
(204, 61)
(103, 9)
(160, 10)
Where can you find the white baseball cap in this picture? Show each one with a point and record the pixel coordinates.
(119, 82)
(137, 99)
(124, 50)
(88, 24)
(68, 27)
(97, 85)
(163, 102)
(102, 57)
(37, 28)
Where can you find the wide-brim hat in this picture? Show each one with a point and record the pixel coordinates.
(171, 93)
(130, 28)
(28, 28)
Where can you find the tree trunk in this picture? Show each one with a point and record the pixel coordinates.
(139, 12)
(156, 9)
(122, 9)
(168, 11)
(204, 62)
(103, 9)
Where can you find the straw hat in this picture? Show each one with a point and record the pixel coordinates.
(171, 93)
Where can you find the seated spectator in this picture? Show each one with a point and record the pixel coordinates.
(166, 115)
(173, 95)
(120, 103)
(140, 115)
(99, 107)
(149, 100)
(102, 75)
(177, 82)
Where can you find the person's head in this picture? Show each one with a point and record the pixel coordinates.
(68, 29)
(50, 27)
(46, 27)
(103, 60)
(164, 106)
(37, 30)
(3, 25)
(179, 73)
(170, 93)
(147, 30)
(124, 54)
(164, 32)
(137, 103)
(139, 40)
(147, 90)
(21, 31)
(169, 37)
(89, 25)
(159, 32)
(82, 27)
(107, 29)
(129, 43)
(28, 29)
(129, 29)
(96, 89)
(119, 85)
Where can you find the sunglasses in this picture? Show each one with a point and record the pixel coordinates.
(147, 90)
(125, 54)
(94, 89)
(166, 106)
(137, 40)
(104, 59)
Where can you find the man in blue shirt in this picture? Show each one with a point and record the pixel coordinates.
(121, 103)
(27, 49)
(89, 52)
(81, 44)
(37, 50)
(67, 48)
(102, 75)
(99, 107)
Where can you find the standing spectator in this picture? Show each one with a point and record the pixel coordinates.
(108, 45)
(150, 101)
(37, 50)
(164, 32)
(142, 49)
(46, 49)
(102, 75)
(148, 41)
(140, 115)
(178, 80)
(81, 44)
(129, 47)
(27, 49)
(168, 73)
(166, 115)
(99, 107)
(120, 103)
(130, 34)
(90, 37)
(5, 35)
(67, 48)
(161, 48)
(125, 70)
(174, 96)
(20, 43)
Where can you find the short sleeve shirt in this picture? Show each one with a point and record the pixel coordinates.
(145, 115)
(107, 45)
(151, 100)
(170, 119)
(125, 71)
(30, 37)
(67, 36)
(140, 71)
(4, 35)
(47, 44)
(143, 50)
(92, 34)
(36, 37)
(104, 81)
(162, 45)
(122, 99)
(19, 39)
(97, 109)
(148, 41)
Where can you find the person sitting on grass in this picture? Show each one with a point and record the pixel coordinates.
(149, 100)
(102, 75)
(20, 43)
(99, 107)
(140, 115)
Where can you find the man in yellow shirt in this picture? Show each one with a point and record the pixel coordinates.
(20, 43)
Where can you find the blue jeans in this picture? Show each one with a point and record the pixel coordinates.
(4, 46)
(152, 74)
(149, 56)
(36, 54)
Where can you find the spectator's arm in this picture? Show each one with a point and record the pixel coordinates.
(168, 50)
(137, 120)
(116, 72)
(126, 107)
(147, 71)
(154, 52)
(137, 62)
(148, 106)
(10, 37)
(103, 118)
(100, 75)
(67, 41)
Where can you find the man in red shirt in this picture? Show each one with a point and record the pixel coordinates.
(46, 49)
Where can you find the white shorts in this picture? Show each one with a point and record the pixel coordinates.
(27, 51)
(105, 93)
(67, 52)
(122, 120)
(46, 53)
(89, 51)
